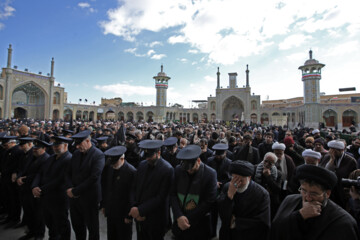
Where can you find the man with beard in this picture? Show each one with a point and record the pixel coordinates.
(83, 184)
(311, 214)
(220, 163)
(150, 193)
(102, 143)
(132, 154)
(247, 152)
(354, 148)
(206, 153)
(49, 186)
(244, 205)
(192, 196)
(116, 194)
(170, 151)
(342, 165)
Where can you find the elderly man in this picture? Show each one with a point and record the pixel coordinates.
(286, 166)
(268, 176)
(84, 187)
(311, 157)
(311, 214)
(192, 195)
(342, 165)
(244, 205)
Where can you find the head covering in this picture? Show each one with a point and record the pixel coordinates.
(116, 151)
(336, 144)
(320, 140)
(130, 136)
(288, 141)
(81, 136)
(320, 175)
(277, 145)
(242, 168)
(315, 131)
(41, 144)
(25, 140)
(60, 140)
(189, 152)
(170, 141)
(220, 147)
(100, 140)
(150, 144)
(311, 153)
(214, 135)
(6, 139)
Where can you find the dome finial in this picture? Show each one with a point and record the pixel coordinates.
(310, 54)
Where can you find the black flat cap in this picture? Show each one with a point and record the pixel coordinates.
(151, 144)
(220, 147)
(170, 141)
(190, 152)
(25, 140)
(320, 175)
(6, 139)
(242, 168)
(116, 151)
(130, 136)
(101, 139)
(60, 140)
(41, 144)
(81, 135)
(67, 131)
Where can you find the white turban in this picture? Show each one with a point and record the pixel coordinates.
(336, 144)
(277, 145)
(311, 153)
(315, 131)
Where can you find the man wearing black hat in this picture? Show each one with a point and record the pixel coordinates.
(247, 151)
(150, 194)
(220, 163)
(244, 205)
(311, 214)
(84, 186)
(116, 194)
(192, 195)
(102, 143)
(170, 151)
(206, 153)
(48, 186)
(33, 217)
(132, 154)
(9, 166)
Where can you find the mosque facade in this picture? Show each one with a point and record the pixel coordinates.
(33, 95)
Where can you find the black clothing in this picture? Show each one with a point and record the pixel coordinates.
(204, 156)
(264, 148)
(247, 153)
(171, 158)
(333, 223)
(193, 196)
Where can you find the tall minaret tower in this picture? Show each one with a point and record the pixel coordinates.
(161, 85)
(311, 75)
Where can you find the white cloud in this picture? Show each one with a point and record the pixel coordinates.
(85, 5)
(194, 51)
(295, 40)
(126, 90)
(183, 60)
(341, 49)
(210, 79)
(155, 43)
(6, 11)
(202, 25)
(296, 57)
(158, 56)
(1, 25)
(150, 52)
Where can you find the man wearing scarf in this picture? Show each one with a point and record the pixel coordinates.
(192, 195)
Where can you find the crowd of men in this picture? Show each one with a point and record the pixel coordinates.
(260, 182)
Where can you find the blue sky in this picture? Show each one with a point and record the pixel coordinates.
(108, 49)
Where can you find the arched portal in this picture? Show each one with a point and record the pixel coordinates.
(110, 115)
(232, 109)
(85, 115)
(56, 115)
(91, 116)
(349, 118)
(139, 116)
(264, 118)
(121, 116)
(330, 118)
(130, 116)
(253, 118)
(30, 98)
(149, 116)
(213, 117)
(195, 118)
(20, 113)
(67, 115)
(78, 115)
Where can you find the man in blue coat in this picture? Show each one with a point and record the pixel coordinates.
(150, 195)
(84, 186)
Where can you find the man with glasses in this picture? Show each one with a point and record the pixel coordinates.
(311, 214)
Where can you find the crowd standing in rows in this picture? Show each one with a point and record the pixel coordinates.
(261, 182)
